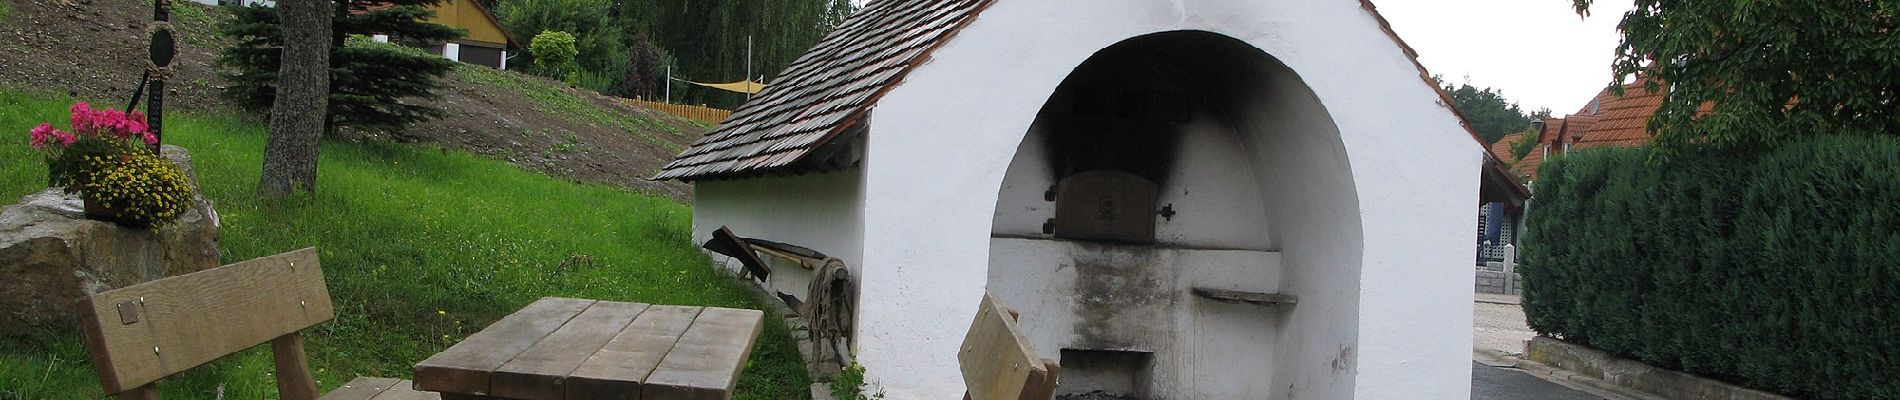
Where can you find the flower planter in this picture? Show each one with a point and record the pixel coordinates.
(98, 211)
(104, 159)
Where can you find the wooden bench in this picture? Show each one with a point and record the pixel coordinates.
(142, 333)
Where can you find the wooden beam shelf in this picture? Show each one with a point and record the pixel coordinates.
(1245, 297)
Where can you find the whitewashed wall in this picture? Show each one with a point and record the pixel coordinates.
(1211, 186)
(822, 212)
(1200, 349)
(1385, 309)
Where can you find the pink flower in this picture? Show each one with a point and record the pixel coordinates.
(42, 134)
(96, 123)
(82, 116)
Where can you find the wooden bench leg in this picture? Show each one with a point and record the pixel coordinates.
(147, 392)
(293, 373)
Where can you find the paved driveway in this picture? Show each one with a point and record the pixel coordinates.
(1498, 383)
(1498, 325)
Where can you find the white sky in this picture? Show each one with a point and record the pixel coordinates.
(1538, 52)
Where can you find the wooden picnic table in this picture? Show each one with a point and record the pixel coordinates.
(560, 348)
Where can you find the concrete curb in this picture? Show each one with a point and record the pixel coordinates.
(1494, 298)
(1499, 359)
(1631, 376)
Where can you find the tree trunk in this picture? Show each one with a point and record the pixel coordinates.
(303, 91)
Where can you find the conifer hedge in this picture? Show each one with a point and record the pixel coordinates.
(1778, 270)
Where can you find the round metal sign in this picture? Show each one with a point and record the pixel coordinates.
(162, 48)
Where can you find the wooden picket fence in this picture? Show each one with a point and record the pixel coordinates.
(697, 113)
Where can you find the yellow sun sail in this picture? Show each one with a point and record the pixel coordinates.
(745, 86)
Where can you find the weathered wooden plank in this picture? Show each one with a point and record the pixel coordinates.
(997, 361)
(539, 372)
(141, 333)
(1032, 387)
(730, 244)
(405, 390)
(706, 362)
(466, 366)
(617, 371)
(1047, 390)
(294, 381)
(1244, 297)
(362, 388)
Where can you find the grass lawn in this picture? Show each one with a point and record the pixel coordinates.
(420, 247)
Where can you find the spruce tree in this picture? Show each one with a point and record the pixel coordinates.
(371, 87)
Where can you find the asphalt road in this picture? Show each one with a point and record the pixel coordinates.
(1489, 383)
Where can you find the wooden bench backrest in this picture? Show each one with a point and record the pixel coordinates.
(142, 333)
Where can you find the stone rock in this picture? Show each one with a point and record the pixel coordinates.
(51, 256)
(822, 391)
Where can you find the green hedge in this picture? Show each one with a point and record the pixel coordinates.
(1778, 270)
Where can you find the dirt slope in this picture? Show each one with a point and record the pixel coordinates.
(95, 49)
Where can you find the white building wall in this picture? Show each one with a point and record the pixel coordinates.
(943, 140)
(822, 212)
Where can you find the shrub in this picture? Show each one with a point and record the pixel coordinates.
(601, 42)
(553, 52)
(1777, 270)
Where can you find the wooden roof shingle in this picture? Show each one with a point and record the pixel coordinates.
(826, 91)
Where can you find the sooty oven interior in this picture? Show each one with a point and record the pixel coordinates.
(1127, 148)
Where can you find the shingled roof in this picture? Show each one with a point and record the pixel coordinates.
(1623, 121)
(826, 91)
(1609, 120)
(823, 94)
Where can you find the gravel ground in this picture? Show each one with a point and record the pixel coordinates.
(1500, 327)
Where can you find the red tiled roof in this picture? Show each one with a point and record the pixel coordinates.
(1609, 120)
(825, 92)
(1528, 165)
(1624, 121)
(1502, 148)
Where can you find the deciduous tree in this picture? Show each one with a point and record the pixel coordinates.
(1751, 74)
(1489, 113)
